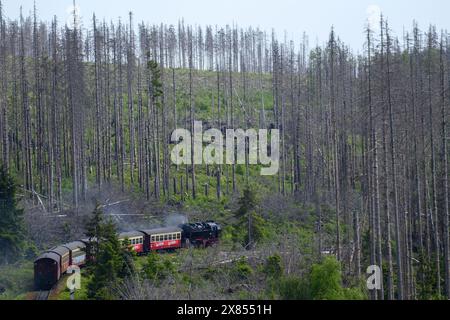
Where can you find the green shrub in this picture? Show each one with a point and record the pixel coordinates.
(294, 288)
(326, 282)
(273, 268)
(354, 294)
(242, 270)
(240, 170)
(157, 268)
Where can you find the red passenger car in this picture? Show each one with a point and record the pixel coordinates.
(163, 239)
(136, 240)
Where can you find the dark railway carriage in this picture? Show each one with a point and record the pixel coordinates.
(64, 254)
(163, 239)
(49, 267)
(46, 270)
(77, 256)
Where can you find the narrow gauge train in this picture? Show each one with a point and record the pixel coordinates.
(52, 264)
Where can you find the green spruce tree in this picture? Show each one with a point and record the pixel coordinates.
(94, 229)
(247, 203)
(113, 261)
(12, 231)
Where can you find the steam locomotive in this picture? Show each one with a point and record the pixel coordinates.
(52, 264)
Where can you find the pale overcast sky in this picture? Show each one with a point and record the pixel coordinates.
(315, 17)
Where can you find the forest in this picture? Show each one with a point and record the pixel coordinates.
(86, 117)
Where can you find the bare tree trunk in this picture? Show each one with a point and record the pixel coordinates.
(131, 122)
(374, 145)
(400, 279)
(335, 145)
(192, 111)
(444, 169)
(433, 169)
(3, 95)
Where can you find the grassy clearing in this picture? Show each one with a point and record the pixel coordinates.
(16, 280)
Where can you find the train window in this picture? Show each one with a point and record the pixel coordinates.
(158, 238)
(133, 241)
(166, 237)
(153, 238)
(170, 237)
(178, 235)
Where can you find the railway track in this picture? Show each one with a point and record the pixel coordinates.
(42, 295)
